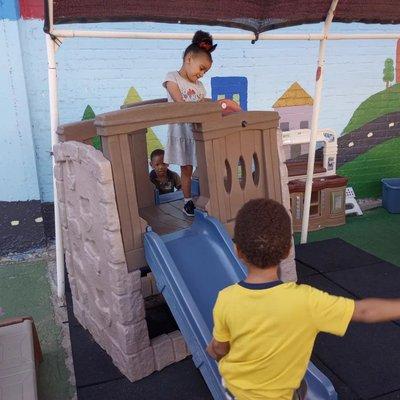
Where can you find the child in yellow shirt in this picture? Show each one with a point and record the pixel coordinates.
(264, 329)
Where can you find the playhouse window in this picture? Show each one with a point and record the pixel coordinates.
(304, 125)
(284, 126)
(336, 202)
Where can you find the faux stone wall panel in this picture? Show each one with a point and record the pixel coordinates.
(107, 298)
(163, 351)
(178, 345)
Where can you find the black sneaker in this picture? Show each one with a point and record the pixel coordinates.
(189, 208)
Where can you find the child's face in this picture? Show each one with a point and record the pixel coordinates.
(196, 65)
(157, 163)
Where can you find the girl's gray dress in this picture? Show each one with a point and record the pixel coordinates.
(180, 147)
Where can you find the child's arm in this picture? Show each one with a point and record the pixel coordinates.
(376, 310)
(174, 92)
(217, 350)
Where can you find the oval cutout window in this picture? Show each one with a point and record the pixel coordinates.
(228, 177)
(255, 169)
(241, 172)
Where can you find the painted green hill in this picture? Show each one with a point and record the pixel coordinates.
(152, 140)
(377, 105)
(365, 172)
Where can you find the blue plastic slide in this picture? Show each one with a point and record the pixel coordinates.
(191, 266)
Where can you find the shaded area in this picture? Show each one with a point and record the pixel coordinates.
(166, 218)
(25, 290)
(362, 364)
(98, 378)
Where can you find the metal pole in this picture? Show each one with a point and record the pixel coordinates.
(314, 123)
(53, 96)
(222, 36)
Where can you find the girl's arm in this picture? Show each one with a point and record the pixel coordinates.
(174, 92)
(217, 350)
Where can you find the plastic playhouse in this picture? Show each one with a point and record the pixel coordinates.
(113, 227)
(327, 207)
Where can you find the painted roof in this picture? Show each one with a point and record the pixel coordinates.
(294, 96)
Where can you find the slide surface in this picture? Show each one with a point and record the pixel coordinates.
(191, 266)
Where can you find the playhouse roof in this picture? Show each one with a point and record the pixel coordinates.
(256, 15)
(294, 96)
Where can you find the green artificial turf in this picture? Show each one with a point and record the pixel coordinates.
(377, 232)
(385, 102)
(25, 290)
(366, 171)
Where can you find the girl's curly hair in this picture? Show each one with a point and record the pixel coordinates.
(263, 232)
(202, 42)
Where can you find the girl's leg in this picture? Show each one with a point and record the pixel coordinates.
(186, 180)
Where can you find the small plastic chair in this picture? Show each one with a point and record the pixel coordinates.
(352, 207)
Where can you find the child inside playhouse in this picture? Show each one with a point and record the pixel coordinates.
(264, 329)
(184, 86)
(165, 180)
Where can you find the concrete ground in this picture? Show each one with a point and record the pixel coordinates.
(26, 289)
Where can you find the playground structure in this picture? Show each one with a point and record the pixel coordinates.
(299, 139)
(107, 202)
(327, 206)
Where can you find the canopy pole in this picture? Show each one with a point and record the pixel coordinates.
(51, 15)
(314, 123)
(217, 36)
(53, 96)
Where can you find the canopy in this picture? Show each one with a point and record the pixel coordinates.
(253, 15)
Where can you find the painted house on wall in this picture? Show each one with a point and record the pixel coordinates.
(295, 111)
(294, 108)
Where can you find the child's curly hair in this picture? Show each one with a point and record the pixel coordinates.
(202, 42)
(263, 232)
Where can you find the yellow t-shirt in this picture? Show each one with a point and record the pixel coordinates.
(271, 329)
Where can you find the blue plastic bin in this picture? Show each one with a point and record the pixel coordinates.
(391, 194)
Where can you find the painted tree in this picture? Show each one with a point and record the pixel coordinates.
(388, 72)
(89, 114)
(152, 140)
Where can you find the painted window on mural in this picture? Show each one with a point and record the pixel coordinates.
(230, 87)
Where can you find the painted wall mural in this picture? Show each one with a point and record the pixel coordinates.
(368, 148)
(360, 100)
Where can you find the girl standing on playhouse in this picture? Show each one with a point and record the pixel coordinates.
(184, 85)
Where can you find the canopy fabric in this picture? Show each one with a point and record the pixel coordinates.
(253, 15)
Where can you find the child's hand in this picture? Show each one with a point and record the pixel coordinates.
(229, 106)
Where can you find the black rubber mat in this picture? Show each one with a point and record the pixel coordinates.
(180, 381)
(364, 363)
(303, 270)
(98, 378)
(92, 364)
(391, 396)
(374, 280)
(333, 255)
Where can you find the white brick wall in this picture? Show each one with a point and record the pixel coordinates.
(99, 72)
